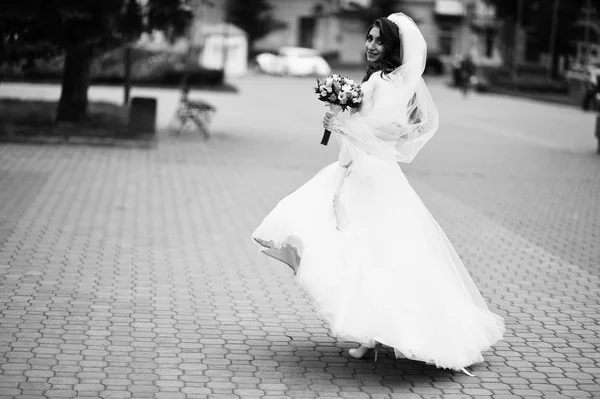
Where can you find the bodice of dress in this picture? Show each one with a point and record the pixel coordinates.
(381, 108)
(368, 89)
(382, 105)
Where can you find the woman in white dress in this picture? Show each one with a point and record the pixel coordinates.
(360, 240)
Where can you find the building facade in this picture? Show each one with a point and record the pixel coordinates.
(325, 25)
(586, 38)
(521, 44)
(336, 28)
(450, 27)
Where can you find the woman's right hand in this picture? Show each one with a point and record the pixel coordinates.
(331, 123)
(328, 120)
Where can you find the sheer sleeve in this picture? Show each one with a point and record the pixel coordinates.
(345, 157)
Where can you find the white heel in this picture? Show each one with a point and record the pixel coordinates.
(359, 352)
(464, 370)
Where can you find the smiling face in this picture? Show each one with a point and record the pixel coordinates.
(374, 46)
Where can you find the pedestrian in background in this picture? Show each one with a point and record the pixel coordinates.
(467, 72)
(592, 91)
(456, 69)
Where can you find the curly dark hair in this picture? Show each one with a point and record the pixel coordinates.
(392, 55)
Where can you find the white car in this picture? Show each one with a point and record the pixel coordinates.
(294, 61)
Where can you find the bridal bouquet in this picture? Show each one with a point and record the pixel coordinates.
(340, 93)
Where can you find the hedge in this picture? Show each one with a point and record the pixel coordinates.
(148, 68)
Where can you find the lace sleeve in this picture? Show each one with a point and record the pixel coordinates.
(340, 127)
(345, 157)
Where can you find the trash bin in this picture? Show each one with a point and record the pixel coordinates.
(142, 116)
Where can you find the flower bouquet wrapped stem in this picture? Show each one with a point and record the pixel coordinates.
(335, 110)
(340, 93)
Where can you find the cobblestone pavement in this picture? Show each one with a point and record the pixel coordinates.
(129, 272)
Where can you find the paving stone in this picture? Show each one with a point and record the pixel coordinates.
(119, 278)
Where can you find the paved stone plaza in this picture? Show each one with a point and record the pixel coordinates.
(128, 272)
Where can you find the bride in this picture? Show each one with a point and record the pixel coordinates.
(360, 240)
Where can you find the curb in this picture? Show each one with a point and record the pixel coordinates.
(150, 142)
(556, 99)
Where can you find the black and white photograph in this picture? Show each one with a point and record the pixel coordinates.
(285, 199)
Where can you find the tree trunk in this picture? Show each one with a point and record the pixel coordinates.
(75, 83)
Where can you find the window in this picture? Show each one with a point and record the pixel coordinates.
(306, 33)
(532, 48)
(447, 37)
(489, 42)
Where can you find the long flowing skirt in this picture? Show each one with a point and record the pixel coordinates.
(388, 273)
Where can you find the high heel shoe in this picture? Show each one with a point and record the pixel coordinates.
(359, 352)
(464, 370)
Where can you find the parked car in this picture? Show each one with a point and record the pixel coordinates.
(293, 61)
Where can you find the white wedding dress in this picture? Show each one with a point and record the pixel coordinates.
(376, 263)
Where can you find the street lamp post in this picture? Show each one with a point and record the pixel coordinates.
(597, 133)
(515, 71)
(587, 32)
(225, 37)
(553, 36)
(588, 23)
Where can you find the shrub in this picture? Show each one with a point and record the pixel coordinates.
(37, 117)
(529, 79)
(148, 68)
